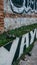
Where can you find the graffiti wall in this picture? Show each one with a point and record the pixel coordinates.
(20, 6)
(9, 8)
(13, 50)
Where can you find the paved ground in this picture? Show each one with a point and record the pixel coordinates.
(32, 60)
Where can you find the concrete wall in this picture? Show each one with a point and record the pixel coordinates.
(12, 23)
(9, 7)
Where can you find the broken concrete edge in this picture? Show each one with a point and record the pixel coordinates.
(3, 29)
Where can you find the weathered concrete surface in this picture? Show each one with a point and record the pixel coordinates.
(32, 60)
(12, 23)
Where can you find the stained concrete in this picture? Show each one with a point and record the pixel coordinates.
(30, 60)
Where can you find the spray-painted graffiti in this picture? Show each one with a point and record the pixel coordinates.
(21, 6)
(12, 51)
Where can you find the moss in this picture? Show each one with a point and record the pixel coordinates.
(17, 32)
(4, 39)
(22, 30)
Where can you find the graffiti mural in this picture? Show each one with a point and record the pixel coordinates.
(23, 5)
(13, 50)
